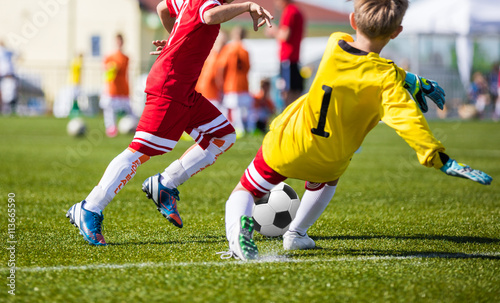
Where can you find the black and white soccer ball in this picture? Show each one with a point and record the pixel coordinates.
(127, 124)
(273, 213)
(76, 127)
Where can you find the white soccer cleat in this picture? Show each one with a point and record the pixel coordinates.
(241, 244)
(292, 240)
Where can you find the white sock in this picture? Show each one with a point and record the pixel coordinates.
(239, 203)
(194, 160)
(119, 171)
(311, 206)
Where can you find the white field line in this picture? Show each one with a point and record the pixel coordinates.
(263, 259)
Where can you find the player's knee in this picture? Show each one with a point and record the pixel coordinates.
(220, 145)
(240, 187)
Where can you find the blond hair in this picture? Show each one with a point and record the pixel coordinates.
(379, 18)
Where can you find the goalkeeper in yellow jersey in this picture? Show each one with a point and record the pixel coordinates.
(315, 137)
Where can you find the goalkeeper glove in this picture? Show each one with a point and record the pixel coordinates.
(420, 88)
(452, 168)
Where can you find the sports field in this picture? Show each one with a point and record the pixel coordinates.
(394, 232)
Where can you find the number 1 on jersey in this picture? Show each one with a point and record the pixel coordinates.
(320, 129)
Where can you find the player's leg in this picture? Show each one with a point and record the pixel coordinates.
(160, 127)
(245, 103)
(87, 215)
(234, 113)
(125, 106)
(213, 135)
(296, 83)
(257, 180)
(496, 115)
(312, 205)
(107, 104)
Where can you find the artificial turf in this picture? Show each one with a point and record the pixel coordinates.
(394, 232)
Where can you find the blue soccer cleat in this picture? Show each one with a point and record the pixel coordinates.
(164, 198)
(89, 223)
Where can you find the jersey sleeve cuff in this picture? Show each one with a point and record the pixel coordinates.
(206, 6)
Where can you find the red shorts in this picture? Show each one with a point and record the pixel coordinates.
(163, 121)
(259, 178)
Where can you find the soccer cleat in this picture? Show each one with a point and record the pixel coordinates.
(112, 131)
(292, 240)
(241, 244)
(164, 198)
(89, 223)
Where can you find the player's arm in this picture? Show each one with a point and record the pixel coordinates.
(223, 13)
(401, 114)
(166, 19)
(281, 34)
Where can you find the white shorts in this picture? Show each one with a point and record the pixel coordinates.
(116, 103)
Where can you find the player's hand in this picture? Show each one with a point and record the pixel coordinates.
(160, 44)
(257, 12)
(453, 168)
(420, 88)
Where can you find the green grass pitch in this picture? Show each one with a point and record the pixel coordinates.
(394, 232)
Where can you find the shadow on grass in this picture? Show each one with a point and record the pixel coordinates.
(456, 239)
(191, 240)
(380, 254)
(404, 254)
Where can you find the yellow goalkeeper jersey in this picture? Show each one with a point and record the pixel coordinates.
(315, 137)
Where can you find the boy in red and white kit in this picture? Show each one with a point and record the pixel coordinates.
(172, 107)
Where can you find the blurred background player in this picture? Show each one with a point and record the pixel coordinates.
(233, 65)
(315, 137)
(207, 84)
(262, 109)
(115, 98)
(289, 35)
(172, 107)
(75, 80)
(496, 114)
(8, 81)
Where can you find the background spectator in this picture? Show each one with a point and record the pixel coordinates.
(479, 93)
(289, 36)
(263, 108)
(8, 80)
